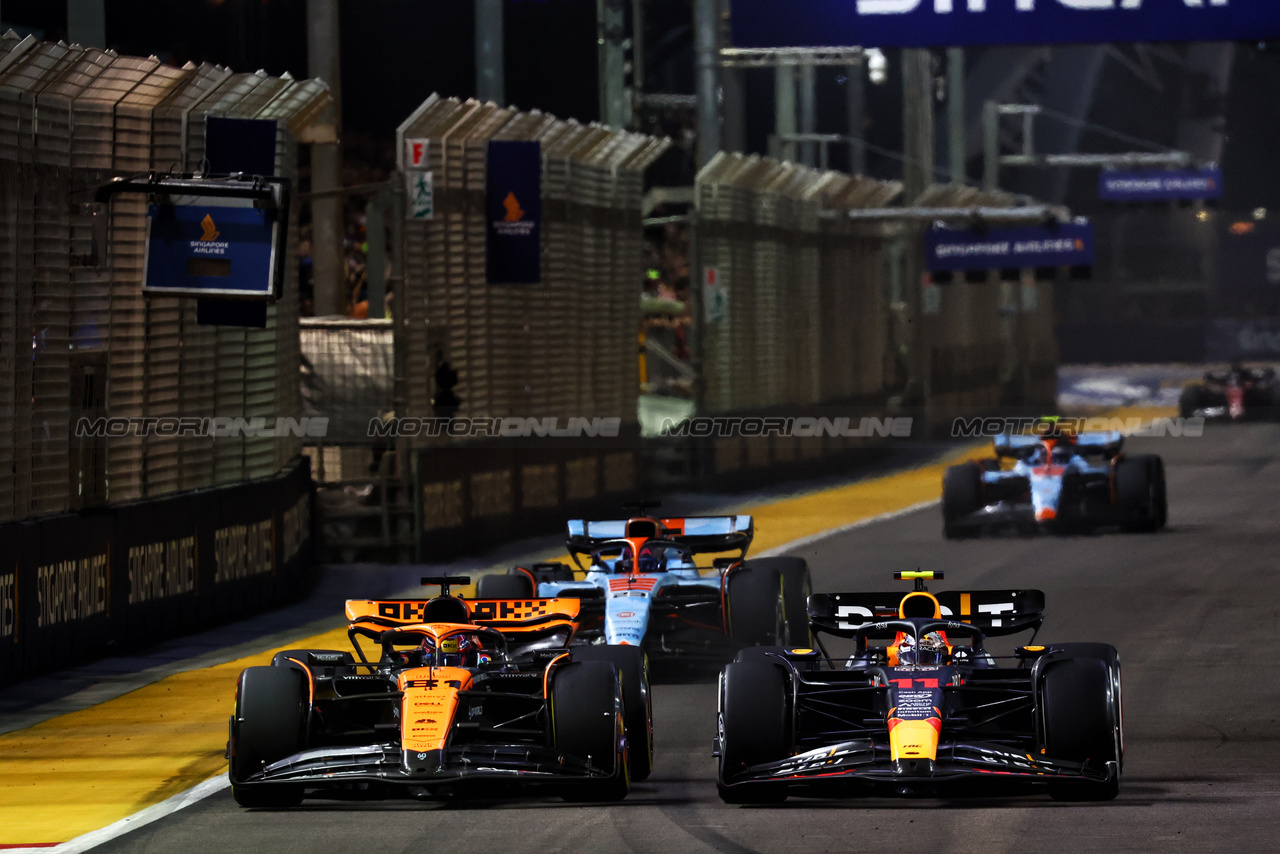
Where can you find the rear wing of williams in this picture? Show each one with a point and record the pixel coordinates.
(700, 534)
(509, 616)
(995, 612)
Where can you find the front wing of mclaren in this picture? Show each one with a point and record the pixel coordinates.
(388, 764)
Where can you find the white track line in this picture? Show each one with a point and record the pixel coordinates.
(852, 526)
(128, 824)
(217, 784)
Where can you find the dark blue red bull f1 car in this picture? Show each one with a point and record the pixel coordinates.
(919, 706)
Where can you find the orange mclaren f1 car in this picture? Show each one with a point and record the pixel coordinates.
(459, 694)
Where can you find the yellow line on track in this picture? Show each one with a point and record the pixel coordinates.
(85, 770)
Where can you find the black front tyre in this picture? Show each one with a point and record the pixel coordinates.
(269, 725)
(1140, 493)
(633, 666)
(1082, 722)
(755, 724)
(756, 606)
(586, 722)
(961, 497)
(796, 587)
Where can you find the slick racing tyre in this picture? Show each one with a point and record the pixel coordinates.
(1082, 722)
(1140, 493)
(633, 666)
(269, 725)
(587, 722)
(1190, 400)
(756, 606)
(510, 586)
(754, 724)
(961, 496)
(796, 588)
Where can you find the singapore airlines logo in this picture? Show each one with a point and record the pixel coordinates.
(514, 212)
(210, 230)
(513, 222)
(209, 244)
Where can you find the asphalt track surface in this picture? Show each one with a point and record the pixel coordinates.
(1193, 611)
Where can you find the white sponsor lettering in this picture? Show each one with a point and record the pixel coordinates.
(71, 590)
(243, 551)
(8, 606)
(160, 570)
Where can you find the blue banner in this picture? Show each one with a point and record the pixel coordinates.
(946, 23)
(1160, 185)
(1065, 245)
(210, 250)
(513, 213)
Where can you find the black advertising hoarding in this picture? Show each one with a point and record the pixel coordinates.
(513, 213)
(79, 586)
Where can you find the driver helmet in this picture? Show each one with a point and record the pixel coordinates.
(931, 651)
(463, 651)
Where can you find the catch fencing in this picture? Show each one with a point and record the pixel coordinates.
(77, 338)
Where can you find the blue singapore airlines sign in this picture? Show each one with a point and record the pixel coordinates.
(941, 23)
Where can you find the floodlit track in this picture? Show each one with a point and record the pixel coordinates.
(1192, 609)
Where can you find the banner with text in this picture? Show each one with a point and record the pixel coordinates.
(944, 23)
(1160, 185)
(1064, 245)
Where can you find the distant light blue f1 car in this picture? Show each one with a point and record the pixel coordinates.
(643, 587)
(1055, 481)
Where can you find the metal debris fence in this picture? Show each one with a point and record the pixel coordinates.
(72, 118)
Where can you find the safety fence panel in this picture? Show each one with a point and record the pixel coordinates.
(71, 119)
(564, 348)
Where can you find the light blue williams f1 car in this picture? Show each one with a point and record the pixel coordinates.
(640, 585)
(1057, 481)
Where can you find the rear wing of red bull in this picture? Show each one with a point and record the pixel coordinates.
(700, 534)
(995, 612)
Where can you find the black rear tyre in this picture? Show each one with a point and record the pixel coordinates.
(1082, 721)
(755, 725)
(796, 587)
(269, 725)
(633, 666)
(961, 496)
(513, 586)
(586, 722)
(756, 609)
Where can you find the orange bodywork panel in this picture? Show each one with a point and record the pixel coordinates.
(428, 706)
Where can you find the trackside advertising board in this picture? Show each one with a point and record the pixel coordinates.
(940, 23)
(1065, 245)
(1159, 185)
